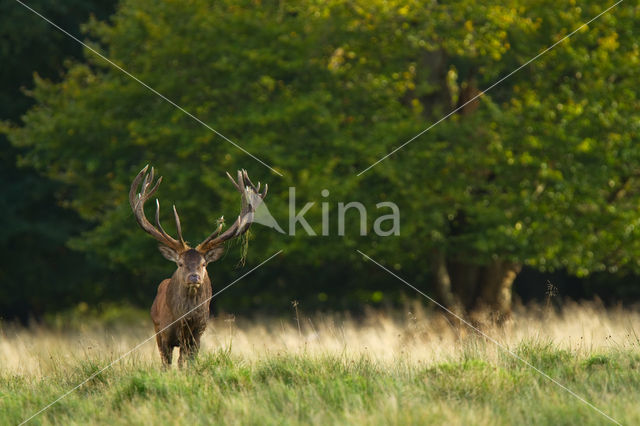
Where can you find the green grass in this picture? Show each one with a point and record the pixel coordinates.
(310, 388)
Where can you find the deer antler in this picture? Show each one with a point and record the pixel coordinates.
(137, 200)
(251, 199)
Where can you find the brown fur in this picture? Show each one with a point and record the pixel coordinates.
(180, 309)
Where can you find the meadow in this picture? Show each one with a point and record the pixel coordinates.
(411, 366)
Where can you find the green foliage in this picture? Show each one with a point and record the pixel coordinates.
(83, 317)
(597, 360)
(543, 171)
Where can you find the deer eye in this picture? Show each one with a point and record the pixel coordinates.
(180, 264)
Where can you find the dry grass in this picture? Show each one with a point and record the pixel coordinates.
(414, 335)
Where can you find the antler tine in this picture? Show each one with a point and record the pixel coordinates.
(214, 234)
(247, 180)
(240, 182)
(247, 190)
(162, 231)
(134, 196)
(220, 226)
(146, 195)
(134, 186)
(151, 176)
(145, 183)
(178, 227)
(234, 182)
(137, 200)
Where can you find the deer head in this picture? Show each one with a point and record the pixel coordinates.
(192, 262)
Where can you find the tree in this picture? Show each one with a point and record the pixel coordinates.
(544, 171)
(540, 171)
(37, 271)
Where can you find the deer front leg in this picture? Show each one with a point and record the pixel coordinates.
(189, 350)
(189, 346)
(166, 350)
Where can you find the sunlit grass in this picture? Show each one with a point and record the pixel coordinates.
(403, 367)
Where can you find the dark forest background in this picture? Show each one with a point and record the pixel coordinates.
(320, 90)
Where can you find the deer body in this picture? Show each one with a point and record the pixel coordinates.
(181, 308)
(179, 314)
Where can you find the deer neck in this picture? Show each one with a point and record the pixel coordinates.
(184, 298)
(191, 292)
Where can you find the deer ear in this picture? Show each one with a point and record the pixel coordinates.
(168, 253)
(214, 254)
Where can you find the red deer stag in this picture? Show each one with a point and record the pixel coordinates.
(181, 309)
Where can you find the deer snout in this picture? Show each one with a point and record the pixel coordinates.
(194, 279)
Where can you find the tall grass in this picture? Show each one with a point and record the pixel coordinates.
(403, 367)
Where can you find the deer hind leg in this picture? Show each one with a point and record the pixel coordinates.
(166, 350)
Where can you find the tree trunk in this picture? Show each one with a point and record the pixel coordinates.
(444, 291)
(473, 289)
(495, 286)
